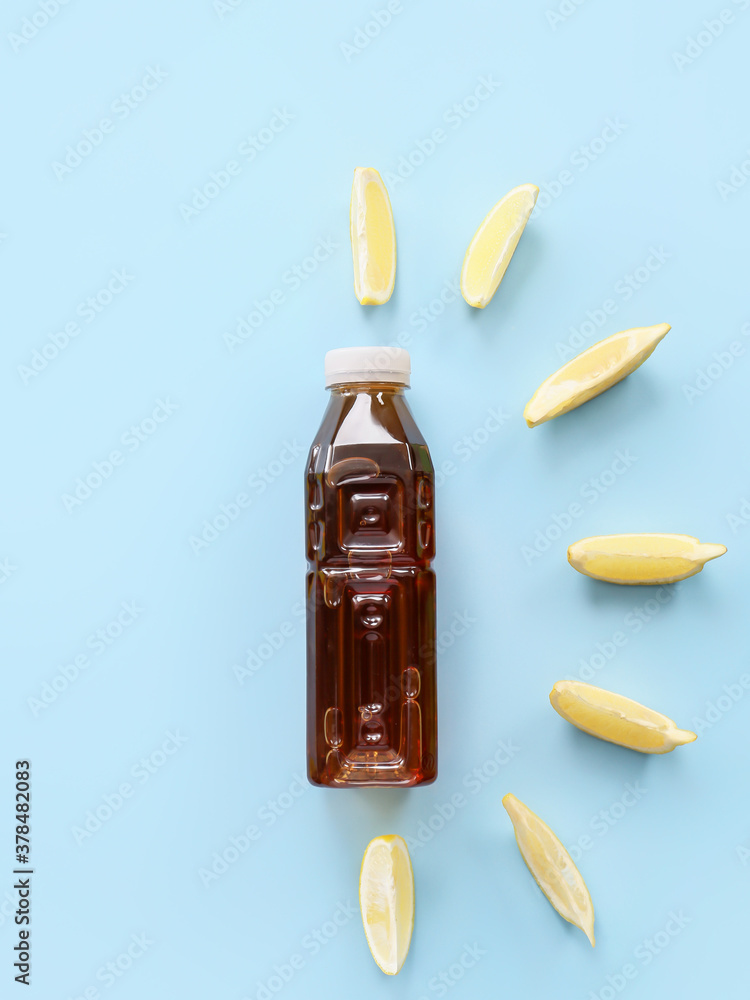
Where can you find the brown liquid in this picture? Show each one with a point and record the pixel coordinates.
(372, 700)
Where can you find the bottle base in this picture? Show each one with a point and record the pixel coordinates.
(371, 770)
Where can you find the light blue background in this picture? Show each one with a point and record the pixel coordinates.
(533, 620)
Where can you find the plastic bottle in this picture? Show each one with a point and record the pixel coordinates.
(371, 651)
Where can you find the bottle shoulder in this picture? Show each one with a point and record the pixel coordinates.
(369, 425)
(370, 486)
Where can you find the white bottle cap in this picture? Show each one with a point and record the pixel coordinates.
(367, 364)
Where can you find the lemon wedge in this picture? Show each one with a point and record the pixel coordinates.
(386, 899)
(617, 719)
(494, 243)
(373, 238)
(552, 867)
(591, 372)
(641, 559)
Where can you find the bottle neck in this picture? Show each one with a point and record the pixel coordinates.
(371, 388)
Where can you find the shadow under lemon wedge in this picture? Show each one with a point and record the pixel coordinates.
(592, 372)
(645, 559)
(386, 900)
(494, 243)
(552, 867)
(373, 237)
(617, 719)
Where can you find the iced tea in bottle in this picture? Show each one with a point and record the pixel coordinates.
(371, 686)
